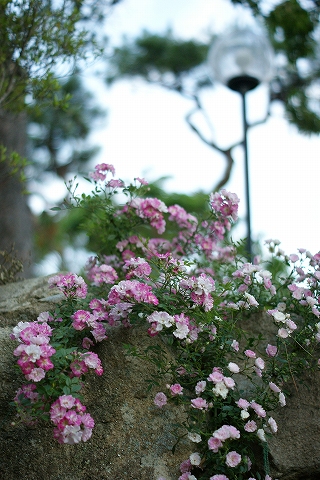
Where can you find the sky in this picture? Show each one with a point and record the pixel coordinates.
(145, 133)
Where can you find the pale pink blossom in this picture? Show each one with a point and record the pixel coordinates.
(229, 382)
(142, 181)
(259, 363)
(225, 432)
(274, 387)
(181, 331)
(283, 333)
(200, 387)
(251, 300)
(250, 354)
(250, 426)
(216, 376)
(258, 409)
(273, 425)
(291, 325)
(233, 459)
(219, 477)
(243, 403)
(271, 350)
(67, 401)
(199, 403)
(115, 183)
(214, 444)
(235, 345)
(282, 399)
(160, 399)
(176, 389)
(36, 374)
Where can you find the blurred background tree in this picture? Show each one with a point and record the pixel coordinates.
(58, 146)
(40, 40)
(59, 113)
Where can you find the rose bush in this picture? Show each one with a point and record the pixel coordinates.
(193, 287)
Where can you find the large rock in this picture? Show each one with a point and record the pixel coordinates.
(294, 450)
(132, 438)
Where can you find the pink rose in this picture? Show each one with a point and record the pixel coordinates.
(233, 459)
(160, 399)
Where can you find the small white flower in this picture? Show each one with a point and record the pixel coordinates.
(244, 414)
(283, 333)
(233, 367)
(279, 317)
(21, 326)
(259, 363)
(273, 425)
(251, 300)
(181, 331)
(194, 437)
(33, 352)
(220, 389)
(282, 399)
(261, 435)
(195, 458)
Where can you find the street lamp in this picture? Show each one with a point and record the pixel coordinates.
(241, 59)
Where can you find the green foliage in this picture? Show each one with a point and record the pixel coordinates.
(71, 227)
(15, 164)
(37, 36)
(153, 56)
(58, 135)
(293, 29)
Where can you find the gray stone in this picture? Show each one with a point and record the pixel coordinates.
(132, 438)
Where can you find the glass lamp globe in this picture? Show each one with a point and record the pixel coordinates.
(241, 59)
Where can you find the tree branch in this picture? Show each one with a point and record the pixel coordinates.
(226, 152)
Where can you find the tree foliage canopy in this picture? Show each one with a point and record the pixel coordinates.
(38, 35)
(294, 30)
(58, 136)
(161, 58)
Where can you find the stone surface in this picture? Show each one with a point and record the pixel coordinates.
(294, 450)
(132, 439)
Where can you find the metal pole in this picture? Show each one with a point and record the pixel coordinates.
(245, 147)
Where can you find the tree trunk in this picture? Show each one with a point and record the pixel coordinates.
(16, 225)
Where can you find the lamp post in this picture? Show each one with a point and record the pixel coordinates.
(242, 59)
